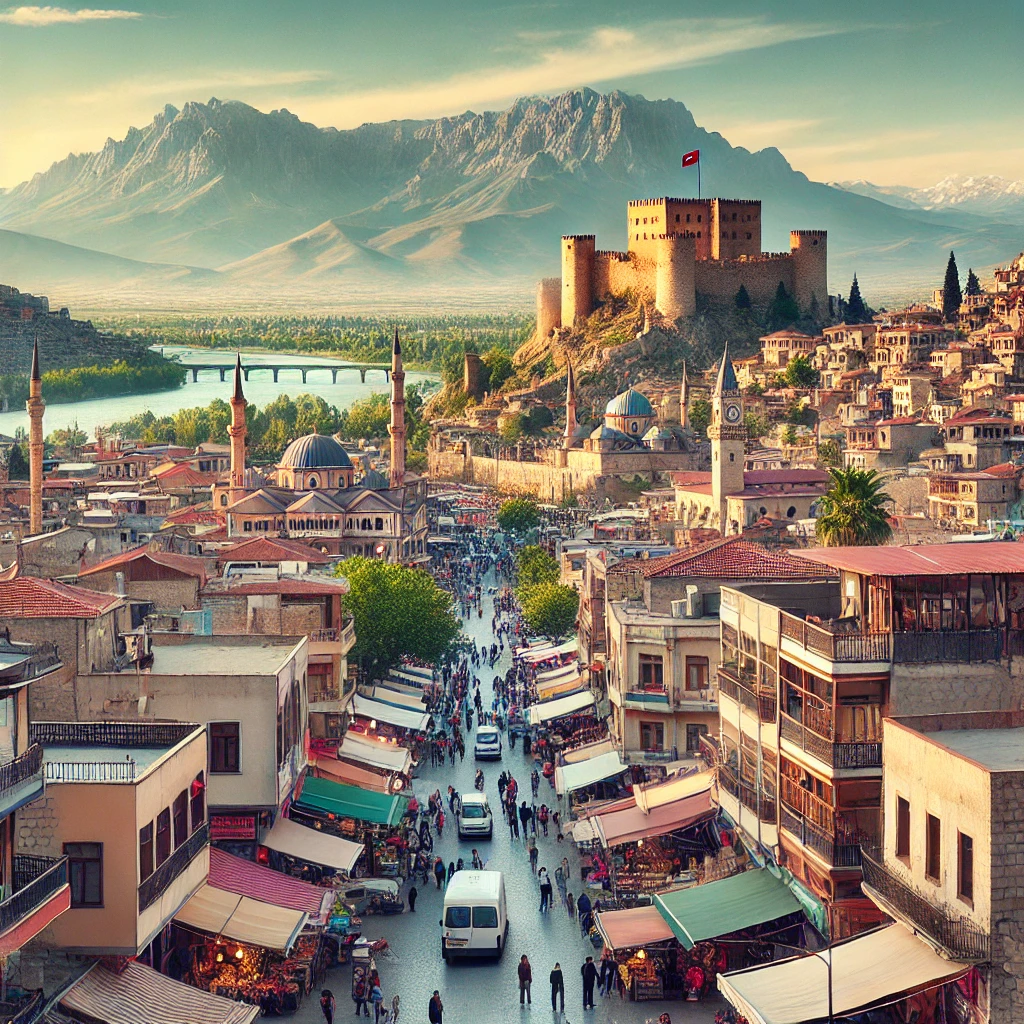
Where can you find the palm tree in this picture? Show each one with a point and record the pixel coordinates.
(852, 513)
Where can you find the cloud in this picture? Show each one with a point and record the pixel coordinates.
(605, 54)
(199, 86)
(40, 17)
(757, 134)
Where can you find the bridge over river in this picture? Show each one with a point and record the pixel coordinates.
(276, 368)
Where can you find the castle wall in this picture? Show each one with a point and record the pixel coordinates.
(720, 279)
(648, 219)
(616, 273)
(675, 295)
(473, 375)
(549, 305)
(577, 278)
(735, 228)
(810, 279)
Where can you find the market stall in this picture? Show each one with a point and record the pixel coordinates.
(402, 720)
(570, 778)
(548, 711)
(571, 668)
(241, 918)
(246, 878)
(397, 696)
(325, 766)
(293, 840)
(387, 757)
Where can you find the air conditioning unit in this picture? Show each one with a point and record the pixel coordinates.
(694, 602)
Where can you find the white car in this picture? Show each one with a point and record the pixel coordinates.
(475, 819)
(487, 746)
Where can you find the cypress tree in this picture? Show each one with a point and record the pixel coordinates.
(856, 311)
(784, 309)
(951, 295)
(742, 299)
(973, 286)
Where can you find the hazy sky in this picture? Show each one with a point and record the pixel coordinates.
(894, 92)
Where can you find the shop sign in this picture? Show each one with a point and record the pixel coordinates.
(232, 826)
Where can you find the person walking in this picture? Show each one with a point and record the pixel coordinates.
(570, 906)
(413, 893)
(327, 1005)
(359, 996)
(534, 854)
(439, 871)
(589, 972)
(435, 1009)
(525, 977)
(557, 989)
(546, 892)
(377, 998)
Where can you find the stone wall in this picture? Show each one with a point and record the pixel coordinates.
(931, 689)
(59, 553)
(166, 595)
(62, 343)
(1006, 982)
(720, 280)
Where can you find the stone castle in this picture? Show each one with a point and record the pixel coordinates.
(679, 249)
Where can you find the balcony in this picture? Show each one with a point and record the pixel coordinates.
(837, 849)
(748, 795)
(763, 701)
(839, 756)
(40, 893)
(160, 881)
(837, 644)
(21, 780)
(964, 647)
(961, 939)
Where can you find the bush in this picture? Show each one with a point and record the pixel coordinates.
(518, 515)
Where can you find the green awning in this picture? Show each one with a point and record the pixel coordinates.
(352, 802)
(728, 905)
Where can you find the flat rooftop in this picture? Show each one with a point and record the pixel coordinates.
(998, 750)
(89, 753)
(222, 659)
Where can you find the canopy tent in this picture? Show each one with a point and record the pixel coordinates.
(552, 709)
(571, 668)
(587, 751)
(868, 969)
(246, 878)
(426, 674)
(405, 679)
(542, 654)
(243, 919)
(351, 802)
(400, 697)
(401, 718)
(295, 840)
(570, 777)
(653, 795)
(387, 756)
(630, 824)
(581, 831)
(628, 929)
(533, 646)
(138, 993)
(327, 767)
(560, 687)
(725, 906)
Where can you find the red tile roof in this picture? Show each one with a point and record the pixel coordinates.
(189, 565)
(200, 514)
(264, 549)
(183, 475)
(29, 598)
(992, 556)
(731, 558)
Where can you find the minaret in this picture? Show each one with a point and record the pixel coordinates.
(35, 407)
(570, 405)
(684, 401)
(397, 427)
(727, 434)
(237, 434)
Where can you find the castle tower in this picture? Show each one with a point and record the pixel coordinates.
(549, 306)
(577, 278)
(570, 405)
(727, 434)
(35, 407)
(397, 427)
(809, 252)
(237, 432)
(684, 401)
(674, 282)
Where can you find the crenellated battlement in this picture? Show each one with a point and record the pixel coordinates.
(579, 238)
(809, 233)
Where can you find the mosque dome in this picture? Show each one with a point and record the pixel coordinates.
(629, 403)
(315, 451)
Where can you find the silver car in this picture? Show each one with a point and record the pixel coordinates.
(475, 818)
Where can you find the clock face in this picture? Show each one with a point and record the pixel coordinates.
(732, 413)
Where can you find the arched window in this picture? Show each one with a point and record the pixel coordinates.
(379, 525)
(791, 511)
(313, 482)
(223, 499)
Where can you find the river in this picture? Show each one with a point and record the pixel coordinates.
(260, 390)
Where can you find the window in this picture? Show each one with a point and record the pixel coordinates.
(163, 836)
(485, 917)
(198, 791)
(696, 673)
(693, 735)
(180, 818)
(965, 868)
(902, 828)
(145, 851)
(457, 917)
(652, 735)
(651, 672)
(224, 752)
(379, 523)
(85, 873)
(933, 848)
(247, 527)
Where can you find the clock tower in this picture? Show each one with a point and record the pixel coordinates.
(727, 434)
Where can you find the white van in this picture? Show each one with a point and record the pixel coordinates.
(475, 921)
(488, 744)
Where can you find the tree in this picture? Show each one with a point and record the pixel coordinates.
(757, 426)
(512, 428)
(951, 296)
(518, 515)
(856, 310)
(973, 286)
(550, 608)
(783, 310)
(399, 613)
(70, 440)
(754, 390)
(534, 565)
(830, 454)
(17, 464)
(700, 415)
(742, 299)
(499, 366)
(800, 373)
(538, 419)
(368, 418)
(789, 434)
(852, 513)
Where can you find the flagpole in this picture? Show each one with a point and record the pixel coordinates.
(698, 176)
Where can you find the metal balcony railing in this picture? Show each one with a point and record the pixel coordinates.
(836, 850)
(959, 647)
(35, 880)
(160, 881)
(22, 768)
(324, 636)
(110, 734)
(962, 939)
(838, 646)
(838, 755)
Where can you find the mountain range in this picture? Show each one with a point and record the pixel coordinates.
(265, 199)
(986, 195)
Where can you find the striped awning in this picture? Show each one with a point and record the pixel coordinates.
(139, 993)
(246, 878)
(243, 919)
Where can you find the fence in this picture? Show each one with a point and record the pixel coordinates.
(160, 881)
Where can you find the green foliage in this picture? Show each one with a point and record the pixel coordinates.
(534, 566)
(856, 311)
(830, 454)
(700, 415)
(757, 426)
(499, 367)
(17, 463)
(754, 390)
(453, 368)
(550, 609)
(569, 501)
(512, 428)
(369, 418)
(538, 419)
(399, 612)
(800, 373)
(742, 299)
(83, 383)
(951, 296)
(783, 311)
(973, 286)
(852, 513)
(518, 515)
(800, 414)
(69, 440)
(789, 434)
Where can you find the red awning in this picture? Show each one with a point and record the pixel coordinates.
(245, 878)
(630, 823)
(629, 929)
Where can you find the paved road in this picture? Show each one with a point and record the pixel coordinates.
(485, 992)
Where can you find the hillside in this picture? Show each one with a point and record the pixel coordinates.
(265, 196)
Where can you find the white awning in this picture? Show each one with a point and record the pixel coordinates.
(387, 756)
(866, 970)
(401, 718)
(552, 674)
(542, 654)
(570, 777)
(238, 917)
(295, 840)
(552, 709)
(652, 795)
(406, 697)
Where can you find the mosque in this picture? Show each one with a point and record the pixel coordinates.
(312, 493)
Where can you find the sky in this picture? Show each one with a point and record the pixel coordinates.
(883, 90)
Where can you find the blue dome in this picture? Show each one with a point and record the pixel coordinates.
(315, 451)
(629, 403)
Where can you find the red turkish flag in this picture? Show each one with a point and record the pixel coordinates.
(689, 159)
